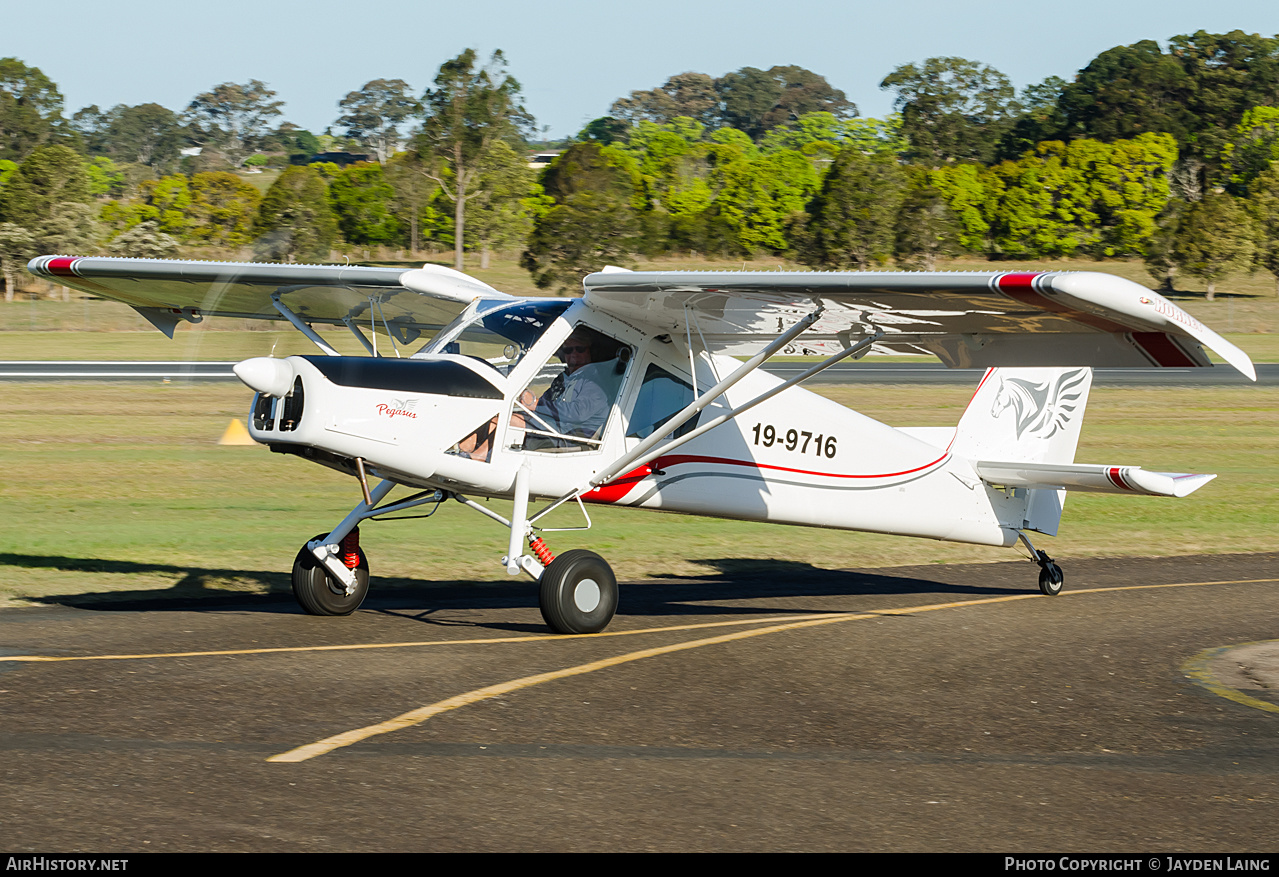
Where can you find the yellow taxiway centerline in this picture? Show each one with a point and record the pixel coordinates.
(417, 716)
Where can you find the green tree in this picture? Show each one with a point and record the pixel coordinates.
(1215, 238)
(375, 113)
(414, 195)
(972, 192)
(361, 199)
(926, 230)
(1263, 203)
(169, 203)
(17, 247)
(853, 217)
(105, 178)
(144, 241)
(1158, 254)
(1253, 149)
(501, 218)
(233, 119)
(756, 101)
(757, 198)
(952, 109)
(689, 94)
(50, 176)
(1197, 91)
(30, 110)
(1041, 118)
(294, 220)
(579, 237)
(222, 210)
(594, 221)
(71, 227)
(148, 134)
(469, 110)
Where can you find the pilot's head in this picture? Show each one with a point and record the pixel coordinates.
(576, 352)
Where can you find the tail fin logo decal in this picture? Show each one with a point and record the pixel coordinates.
(1040, 409)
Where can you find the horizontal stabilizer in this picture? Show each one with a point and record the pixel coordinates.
(1091, 479)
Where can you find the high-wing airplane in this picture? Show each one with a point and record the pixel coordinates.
(651, 405)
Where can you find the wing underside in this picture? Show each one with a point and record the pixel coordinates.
(406, 301)
(967, 319)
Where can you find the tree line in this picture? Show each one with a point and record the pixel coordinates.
(1168, 154)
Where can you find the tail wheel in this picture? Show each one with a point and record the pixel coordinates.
(578, 593)
(1050, 579)
(321, 594)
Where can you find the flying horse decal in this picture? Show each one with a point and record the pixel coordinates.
(646, 392)
(1041, 408)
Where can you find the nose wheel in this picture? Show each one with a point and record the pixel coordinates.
(578, 593)
(319, 593)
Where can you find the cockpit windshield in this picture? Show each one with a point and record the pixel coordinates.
(497, 332)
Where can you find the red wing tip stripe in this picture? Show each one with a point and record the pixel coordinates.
(1116, 476)
(1020, 280)
(62, 266)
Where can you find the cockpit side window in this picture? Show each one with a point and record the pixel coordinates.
(497, 333)
(660, 397)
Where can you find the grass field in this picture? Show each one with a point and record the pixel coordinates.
(121, 490)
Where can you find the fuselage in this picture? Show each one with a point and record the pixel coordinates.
(797, 458)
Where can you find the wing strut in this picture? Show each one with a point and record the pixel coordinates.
(648, 449)
(301, 326)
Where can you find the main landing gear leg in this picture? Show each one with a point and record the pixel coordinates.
(577, 590)
(1050, 575)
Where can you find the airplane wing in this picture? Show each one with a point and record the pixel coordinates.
(165, 291)
(967, 319)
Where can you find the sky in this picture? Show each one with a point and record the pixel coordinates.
(573, 58)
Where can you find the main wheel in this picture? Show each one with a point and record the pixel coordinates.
(578, 593)
(321, 594)
(1050, 579)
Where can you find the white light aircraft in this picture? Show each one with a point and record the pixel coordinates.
(654, 408)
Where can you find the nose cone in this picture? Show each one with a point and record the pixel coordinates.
(273, 377)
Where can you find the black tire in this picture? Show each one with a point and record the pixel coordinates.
(1050, 579)
(319, 593)
(578, 593)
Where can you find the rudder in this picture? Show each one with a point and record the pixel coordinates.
(1027, 415)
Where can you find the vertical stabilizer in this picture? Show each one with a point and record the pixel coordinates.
(1027, 415)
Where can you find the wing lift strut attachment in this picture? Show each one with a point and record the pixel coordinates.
(393, 330)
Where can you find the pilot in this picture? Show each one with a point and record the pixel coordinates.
(575, 403)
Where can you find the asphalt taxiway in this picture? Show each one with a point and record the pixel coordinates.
(758, 707)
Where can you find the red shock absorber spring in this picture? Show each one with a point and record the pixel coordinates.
(544, 556)
(351, 549)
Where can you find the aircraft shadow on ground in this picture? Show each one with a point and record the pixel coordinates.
(728, 582)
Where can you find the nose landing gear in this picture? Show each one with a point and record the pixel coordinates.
(319, 592)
